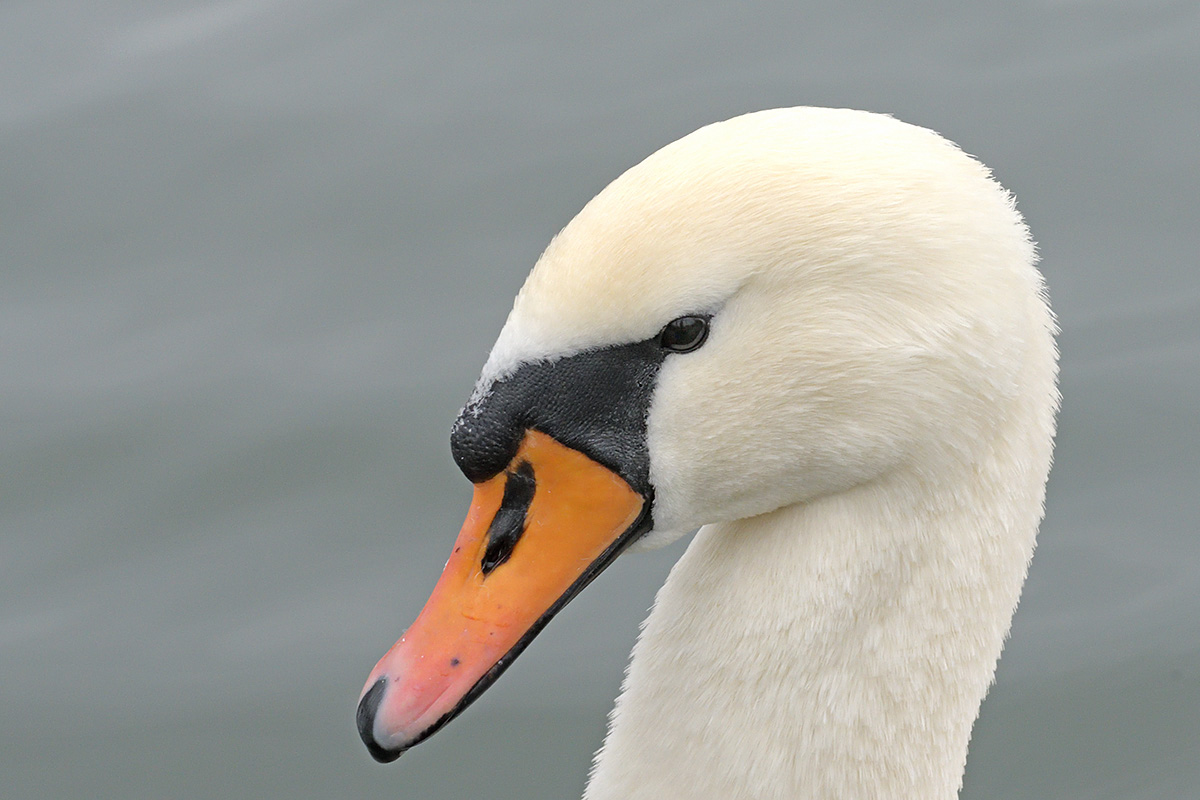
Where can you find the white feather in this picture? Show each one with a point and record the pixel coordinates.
(865, 438)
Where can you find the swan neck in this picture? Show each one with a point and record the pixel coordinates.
(839, 648)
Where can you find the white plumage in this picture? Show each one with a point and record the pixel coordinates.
(865, 440)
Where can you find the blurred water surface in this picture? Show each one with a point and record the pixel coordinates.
(255, 251)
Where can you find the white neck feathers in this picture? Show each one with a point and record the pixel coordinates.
(839, 649)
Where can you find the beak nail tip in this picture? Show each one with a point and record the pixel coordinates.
(368, 708)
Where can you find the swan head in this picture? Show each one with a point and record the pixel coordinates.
(773, 309)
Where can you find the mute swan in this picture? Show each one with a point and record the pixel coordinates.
(817, 335)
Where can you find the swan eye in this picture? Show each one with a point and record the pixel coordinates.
(684, 335)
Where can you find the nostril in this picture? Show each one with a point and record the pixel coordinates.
(368, 707)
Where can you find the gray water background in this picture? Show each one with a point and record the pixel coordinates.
(254, 253)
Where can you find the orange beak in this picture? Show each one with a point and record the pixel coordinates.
(535, 535)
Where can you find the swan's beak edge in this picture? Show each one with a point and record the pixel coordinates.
(535, 535)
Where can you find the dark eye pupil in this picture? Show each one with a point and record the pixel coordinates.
(684, 334)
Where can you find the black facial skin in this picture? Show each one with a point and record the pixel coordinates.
(595, 402)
